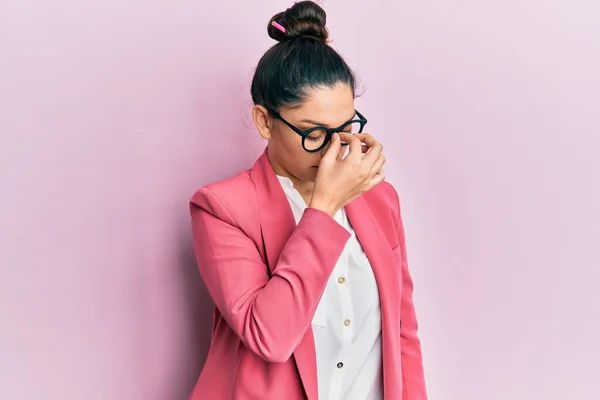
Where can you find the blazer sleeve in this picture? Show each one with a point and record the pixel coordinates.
(412, 361)
(270, 315)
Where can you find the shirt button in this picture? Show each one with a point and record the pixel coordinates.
(341, 279)
(340, 365)
(347, 322)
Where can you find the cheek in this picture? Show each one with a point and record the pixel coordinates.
(300, 159)
(292, 155)
(291, 145)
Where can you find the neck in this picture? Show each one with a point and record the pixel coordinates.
(305, 188)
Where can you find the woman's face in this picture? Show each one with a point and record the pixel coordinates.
(327, 107)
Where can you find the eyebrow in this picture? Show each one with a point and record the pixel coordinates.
(310, 121)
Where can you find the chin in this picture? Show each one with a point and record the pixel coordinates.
(311, 175)
(305, 175)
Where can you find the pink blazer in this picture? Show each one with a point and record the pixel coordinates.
(266, 276)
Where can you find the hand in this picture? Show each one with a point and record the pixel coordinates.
(341, 179)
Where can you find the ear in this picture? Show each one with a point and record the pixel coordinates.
(263, 121)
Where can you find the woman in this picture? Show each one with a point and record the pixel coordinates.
(304, 253)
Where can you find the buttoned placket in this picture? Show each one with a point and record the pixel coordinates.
(345, 324)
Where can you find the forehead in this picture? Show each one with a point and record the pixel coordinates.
(331, 106)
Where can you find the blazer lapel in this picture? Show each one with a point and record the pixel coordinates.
(382, 262)
(276, 219)
(277, 224)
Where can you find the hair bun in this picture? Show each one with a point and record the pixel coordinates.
(303, 19)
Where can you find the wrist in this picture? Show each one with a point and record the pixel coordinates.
(324, 206)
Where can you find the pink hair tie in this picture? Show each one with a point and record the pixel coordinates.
(278, 26)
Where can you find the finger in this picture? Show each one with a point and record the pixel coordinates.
(366, 138)
(364, 146)
(371, 144)
(373, 153)
(342, 152)
(377, 167)
(361, 137)
(333, 150)
(376, 180)
(354, 144)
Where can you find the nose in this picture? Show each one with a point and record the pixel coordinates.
(326, 147)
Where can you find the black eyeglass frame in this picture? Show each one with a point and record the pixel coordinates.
(329, 131)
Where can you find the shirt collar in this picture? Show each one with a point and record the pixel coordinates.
(285, 182)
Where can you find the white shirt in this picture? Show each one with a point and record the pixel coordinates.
(347, 323)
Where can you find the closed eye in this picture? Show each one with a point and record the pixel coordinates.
(316, 136)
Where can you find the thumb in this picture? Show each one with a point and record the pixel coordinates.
(334, 148)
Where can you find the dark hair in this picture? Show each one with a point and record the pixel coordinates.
(301, 61)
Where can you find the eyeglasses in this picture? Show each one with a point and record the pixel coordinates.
(315, 139)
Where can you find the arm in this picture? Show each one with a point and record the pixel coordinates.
(412, 361)
(269, 315)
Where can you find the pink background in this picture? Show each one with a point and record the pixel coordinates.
(113, 112)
